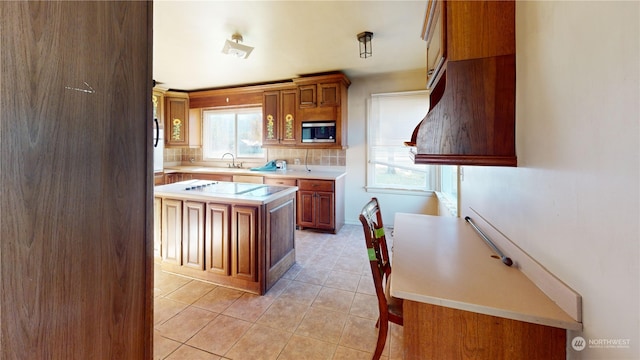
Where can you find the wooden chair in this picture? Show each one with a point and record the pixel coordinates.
(390, 308)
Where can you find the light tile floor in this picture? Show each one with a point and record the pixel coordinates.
(324, 307)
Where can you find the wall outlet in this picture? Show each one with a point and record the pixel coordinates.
(296, 161)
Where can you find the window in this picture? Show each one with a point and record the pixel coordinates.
(391, 120)
(236, 131)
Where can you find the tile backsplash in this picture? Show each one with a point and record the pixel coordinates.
(324, 157)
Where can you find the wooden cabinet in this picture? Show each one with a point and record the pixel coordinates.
(316, 209)
(285, 105)
(433, 34)
(170, 178)
(182, 232)
(279, 117)
(471, 77)
(193, 235)
(171, 231)
(320, 204)
(176, 119)
(157, 100)
(244, 253)
(319, 95)
(157, 229)
(217, 239)
(466, 30)
(280, 217)
(245, 246)
(212, 177)
(324, 97)
(279, 181)
(158, 178)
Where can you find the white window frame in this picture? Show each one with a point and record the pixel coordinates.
(234, 111)
(370, 166)
(437, 173)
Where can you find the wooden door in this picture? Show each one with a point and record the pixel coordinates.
(193, 235)
(76, 169)
(307, 96)
(177, 118)
(244, 243)
(172, 231)
(270, 113)
(288, 125)
(157, 229)
(217, 239)
(306, 208)
(324, 210)
(329, 94)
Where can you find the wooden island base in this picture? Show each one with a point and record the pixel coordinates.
(438, 332)
(239, 240)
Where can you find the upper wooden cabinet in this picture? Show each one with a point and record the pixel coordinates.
(322, 94)
(324, 98)
(465, 30)
(471, 77)
(286, 104)
(279, 117)
(176, 118)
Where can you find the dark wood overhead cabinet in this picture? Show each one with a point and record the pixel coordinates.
(471, 74)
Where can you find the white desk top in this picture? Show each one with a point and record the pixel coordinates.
(443, 261)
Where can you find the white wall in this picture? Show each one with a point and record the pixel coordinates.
(356, 195)
(573, 201)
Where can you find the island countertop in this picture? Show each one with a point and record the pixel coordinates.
(442, 261)
(223, 191)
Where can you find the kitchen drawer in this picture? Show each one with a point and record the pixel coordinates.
(279, 181)
(213, 177)
(315, 185)
(248, 179)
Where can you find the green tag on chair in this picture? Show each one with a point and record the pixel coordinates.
(379, 233)
(372, 254)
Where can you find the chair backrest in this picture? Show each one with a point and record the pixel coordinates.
(371, 219)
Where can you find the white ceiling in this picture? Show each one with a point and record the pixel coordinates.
(291, 38)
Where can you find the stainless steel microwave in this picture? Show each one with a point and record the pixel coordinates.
(318, 131)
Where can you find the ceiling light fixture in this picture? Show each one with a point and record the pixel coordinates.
(235, 48)
(364, 38)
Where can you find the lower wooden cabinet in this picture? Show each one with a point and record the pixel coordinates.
(193, 235)
(242, 246)
(158, 178)
(321, 204)
(244, 237)
(157, 229)
(171, 231)
(217, 239)
(316, 209)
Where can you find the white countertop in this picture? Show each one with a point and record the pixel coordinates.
(222, 191)
(292, 173)
(443, 261)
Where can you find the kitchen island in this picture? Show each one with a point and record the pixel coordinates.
(239, 235)
(320, 199)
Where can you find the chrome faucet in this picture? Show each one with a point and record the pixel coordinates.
(233, 160)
